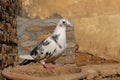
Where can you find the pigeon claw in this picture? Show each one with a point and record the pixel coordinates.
(48, 68)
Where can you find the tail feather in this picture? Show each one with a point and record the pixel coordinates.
(25, 62)
(28, 57)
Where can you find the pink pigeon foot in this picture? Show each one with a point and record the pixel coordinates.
(48, 68)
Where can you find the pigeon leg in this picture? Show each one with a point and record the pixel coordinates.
(47, 67)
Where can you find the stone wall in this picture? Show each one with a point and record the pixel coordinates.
(96, 23)
(32, 31)
(8, 32)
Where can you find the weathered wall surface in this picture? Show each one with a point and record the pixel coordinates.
(96, 22)
(8, 32)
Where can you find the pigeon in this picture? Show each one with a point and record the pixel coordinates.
(51, 48)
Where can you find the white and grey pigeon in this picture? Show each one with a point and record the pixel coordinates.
(51, 48)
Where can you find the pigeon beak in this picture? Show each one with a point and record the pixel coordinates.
(70, 24)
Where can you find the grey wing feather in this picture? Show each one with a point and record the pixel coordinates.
(45, 49)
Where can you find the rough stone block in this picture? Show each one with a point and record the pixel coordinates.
(14, 31)
(82, 59)
(42, 36)
(15, 40)
(1, 26)
(69, 52)
(33, 28)
(14, 23)
(3, 48)
(49, 28)
(70, 44)
(70, 36)
(7, 38)
(70, 28)
(25, 36)
(1, 37)
(28, 43)
(8, 27)
(26, 49)
(66, 60)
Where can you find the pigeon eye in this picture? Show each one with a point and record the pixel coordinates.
(63, 22)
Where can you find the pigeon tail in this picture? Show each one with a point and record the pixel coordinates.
(28, 57)
(25, 62)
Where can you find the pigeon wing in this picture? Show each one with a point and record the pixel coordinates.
(45, 49)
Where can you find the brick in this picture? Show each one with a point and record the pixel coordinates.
(14, 49)
(8, 27)
(66, 60)
(69, 52)
(40, 37)
(1, 26)
(10, 49)
(14, 23)
(4, 59)
(33, 28)
(26, 49)
(97, 60)
(0, 56)
(3, 50)
(49, 28)
(14, 31)
(69, 29)
(10, 39)
(82, 59)
(70, 44)
(70, 35)
(1, 37)
(6, 38)
(25, 36)
(15, 40)
(7, 17)
(28, 43)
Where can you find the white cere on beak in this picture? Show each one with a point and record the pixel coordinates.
(69, 23)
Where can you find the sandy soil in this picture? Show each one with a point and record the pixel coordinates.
(35, 71)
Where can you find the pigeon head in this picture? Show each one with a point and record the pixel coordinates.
(65, 23)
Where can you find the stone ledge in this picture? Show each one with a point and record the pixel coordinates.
(87, 58)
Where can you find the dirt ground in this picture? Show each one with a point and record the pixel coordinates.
(35, 71)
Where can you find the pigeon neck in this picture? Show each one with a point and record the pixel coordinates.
(60, 30)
